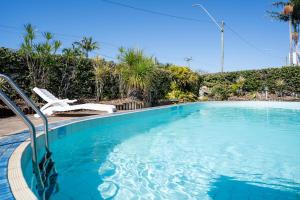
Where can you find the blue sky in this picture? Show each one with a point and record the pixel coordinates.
(169, 39)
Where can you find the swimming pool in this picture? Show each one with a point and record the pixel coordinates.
(194, 151)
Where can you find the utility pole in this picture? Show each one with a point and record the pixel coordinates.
(291, 41)
(221, 28)
(222, 46)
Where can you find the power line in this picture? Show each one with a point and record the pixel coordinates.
(239, 36)
(154, 12)
(96, 53)
(187, 19)
(14, 29)
(11, 28)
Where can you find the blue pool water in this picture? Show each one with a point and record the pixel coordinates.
(197, 151)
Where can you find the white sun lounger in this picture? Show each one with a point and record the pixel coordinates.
(61, 105)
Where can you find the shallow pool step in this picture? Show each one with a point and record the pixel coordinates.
(48, 175)
(45, 160)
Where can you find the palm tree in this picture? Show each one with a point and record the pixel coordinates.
(136, 71)
(27, 49)
(291, 8)
(56, 45)
(27, 46)
(87, 45)
(73, 51)
(68, 52)
(291, 14)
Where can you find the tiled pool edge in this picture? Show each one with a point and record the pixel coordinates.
(7, 146)
(17, 182)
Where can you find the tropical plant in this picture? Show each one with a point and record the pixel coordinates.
(136, 70)
(87, 45)
(74, 51)
(38, 55)
(27, 49)
(48, 47)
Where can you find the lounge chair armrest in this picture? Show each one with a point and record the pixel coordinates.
(57, 101)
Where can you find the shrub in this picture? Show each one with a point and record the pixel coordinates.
(160, 84)
(257, 80)
(220, 92)
(181, 96)
(185, 79)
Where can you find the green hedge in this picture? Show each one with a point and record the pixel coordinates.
(13, 65)
(78, 76)
(257, 80)
(74, 78)
(74, 73)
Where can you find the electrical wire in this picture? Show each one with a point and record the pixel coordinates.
(3, 27)
(243, 39)
(238, 35)
(154, 12)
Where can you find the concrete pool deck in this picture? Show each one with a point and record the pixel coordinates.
(14, 124)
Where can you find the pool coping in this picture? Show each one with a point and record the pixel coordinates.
(17, 183)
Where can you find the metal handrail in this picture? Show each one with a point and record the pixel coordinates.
(31, 127)
(32, 105)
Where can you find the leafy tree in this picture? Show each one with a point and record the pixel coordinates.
(87, 45)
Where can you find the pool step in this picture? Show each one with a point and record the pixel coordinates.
(48, 176)
(45, 160)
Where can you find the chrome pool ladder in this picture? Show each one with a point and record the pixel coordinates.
(44, 170)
